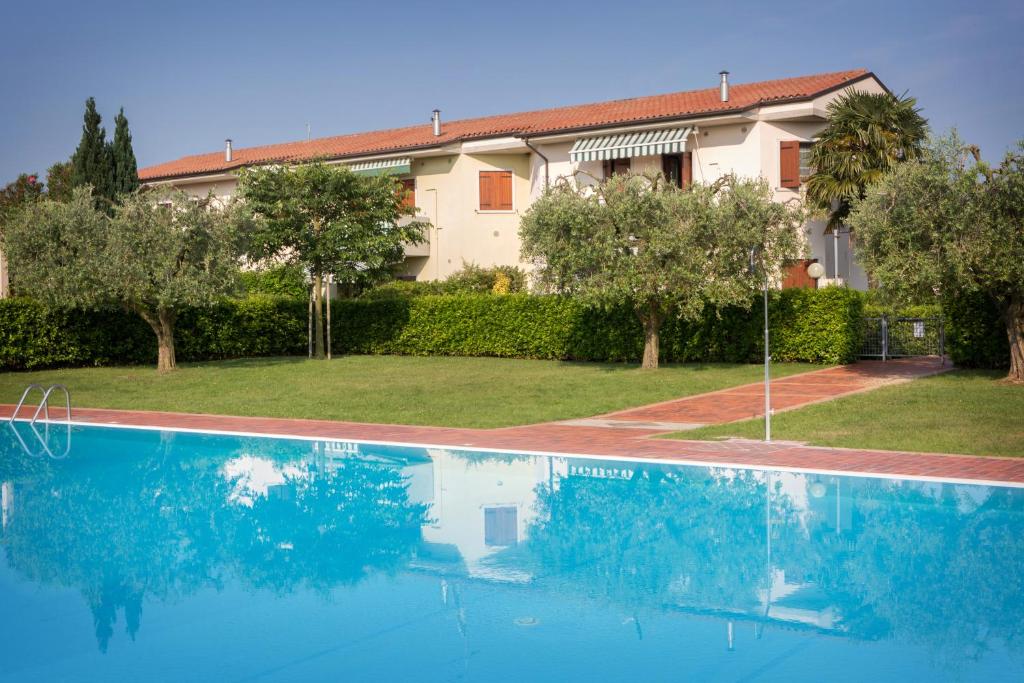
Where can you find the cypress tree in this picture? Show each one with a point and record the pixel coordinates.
(126, 171)
(93, 163)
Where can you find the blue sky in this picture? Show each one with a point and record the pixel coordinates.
(190, 74)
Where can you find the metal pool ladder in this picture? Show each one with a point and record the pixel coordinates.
(44, 404)
(44, 408)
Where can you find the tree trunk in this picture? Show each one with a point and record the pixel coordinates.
(162, 323)
(318, 315)
(165, 342)
(1014, 319)
(651, 317)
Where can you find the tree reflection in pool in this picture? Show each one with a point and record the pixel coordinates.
(318, 560)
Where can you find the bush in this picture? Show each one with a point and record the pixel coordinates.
(33, 336)
(807, 325)
(281, 280)
(472, 279)
(975, 333)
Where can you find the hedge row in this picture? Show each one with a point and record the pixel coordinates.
(32, 336)
(807, 325)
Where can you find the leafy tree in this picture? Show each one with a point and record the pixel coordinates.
(16, 194)
(867, 135)
(641, 241)
(330, 221)
(59, 182)
(93, 161)
(948, 226)
(126, 171)
(146, 257)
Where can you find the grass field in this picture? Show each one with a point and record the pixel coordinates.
(440, 391)
(958, 412)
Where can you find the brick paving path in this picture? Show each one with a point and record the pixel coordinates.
(787, 393)
(634, 441)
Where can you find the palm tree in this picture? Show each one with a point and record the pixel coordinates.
(867, 134)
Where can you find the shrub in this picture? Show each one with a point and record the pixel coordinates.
(817, 325)
(807, 325)
(33, 336)
(472, 279)
(281, 280)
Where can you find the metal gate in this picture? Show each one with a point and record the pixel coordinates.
(887, 337)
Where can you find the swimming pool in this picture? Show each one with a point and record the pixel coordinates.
(172, 556)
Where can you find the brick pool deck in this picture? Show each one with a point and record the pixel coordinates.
(633, 440)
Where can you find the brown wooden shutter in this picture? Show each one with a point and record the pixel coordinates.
(486, 191)
(789, 163)
(503, 191)
(794, 275)
(495, 190)
(409, 193)
(687, 168)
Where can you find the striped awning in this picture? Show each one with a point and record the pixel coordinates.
(397, 166)
(627, 145)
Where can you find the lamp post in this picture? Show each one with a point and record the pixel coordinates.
(754, 251)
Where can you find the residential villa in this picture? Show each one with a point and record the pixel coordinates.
(472, 179)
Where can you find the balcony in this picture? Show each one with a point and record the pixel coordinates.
(423, 248)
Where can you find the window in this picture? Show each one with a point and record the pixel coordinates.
(615, 167)
(495, 190)
(805, 160)
(678, 168)
(789, 164)
(408, 193)
(500, 528)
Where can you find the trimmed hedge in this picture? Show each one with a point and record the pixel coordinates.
(33, 336)
(807, 325)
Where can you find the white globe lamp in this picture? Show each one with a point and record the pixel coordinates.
(816, 270)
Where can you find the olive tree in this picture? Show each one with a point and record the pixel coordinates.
(329, 220)
(640, 241)
(153, 256)
(946, 225)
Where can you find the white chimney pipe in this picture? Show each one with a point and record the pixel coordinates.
(725, 85)
(436, 118)
(227, 150)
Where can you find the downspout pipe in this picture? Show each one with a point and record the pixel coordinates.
(536, 151)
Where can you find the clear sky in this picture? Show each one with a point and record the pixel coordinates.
(190, 74)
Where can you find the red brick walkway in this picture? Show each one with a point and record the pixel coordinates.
(619, 442)
(787, 393)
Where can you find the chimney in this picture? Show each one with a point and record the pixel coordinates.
(725, 85)
(436, 118)
(227, 150)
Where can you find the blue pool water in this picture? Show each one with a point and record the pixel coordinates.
(158, 556)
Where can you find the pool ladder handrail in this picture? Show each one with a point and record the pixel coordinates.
(44, 403)
(44, 408)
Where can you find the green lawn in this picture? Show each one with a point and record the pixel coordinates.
(441, 391)
(958, 412)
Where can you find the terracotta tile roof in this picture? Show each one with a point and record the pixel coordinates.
(602, 114)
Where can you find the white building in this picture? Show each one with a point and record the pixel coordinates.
(473, 178)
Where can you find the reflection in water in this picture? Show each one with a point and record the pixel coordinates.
(137, 519)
